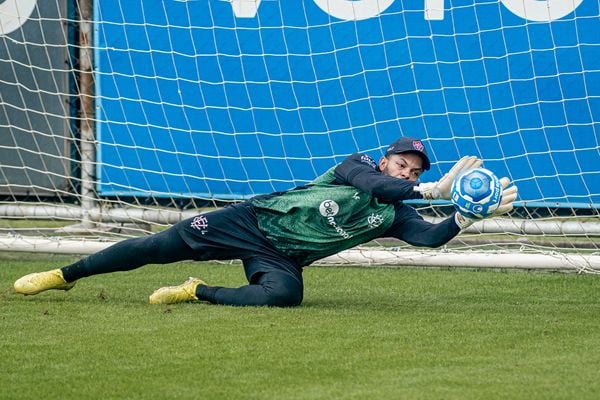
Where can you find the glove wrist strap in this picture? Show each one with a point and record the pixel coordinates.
(462, 221)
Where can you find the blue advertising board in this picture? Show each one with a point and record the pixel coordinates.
(228, 99)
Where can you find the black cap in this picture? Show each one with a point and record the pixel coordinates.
(409, 145)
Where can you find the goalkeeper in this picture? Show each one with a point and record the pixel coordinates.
(276, 235)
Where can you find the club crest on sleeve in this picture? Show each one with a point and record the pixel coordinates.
(374, 220)
(368, 160)
(200, 223)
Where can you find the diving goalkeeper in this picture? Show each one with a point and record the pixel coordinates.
(276, 235)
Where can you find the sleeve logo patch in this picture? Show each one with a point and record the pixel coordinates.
(368, 160)
(200, 223)
(374, 220)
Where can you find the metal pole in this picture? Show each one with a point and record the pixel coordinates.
(581, 263)
(86, 96)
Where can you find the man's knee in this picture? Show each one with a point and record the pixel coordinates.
(283, 291)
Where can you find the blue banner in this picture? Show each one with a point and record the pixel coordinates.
(217, 99)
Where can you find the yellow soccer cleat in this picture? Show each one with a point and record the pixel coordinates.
(176, 294)
(41, 281)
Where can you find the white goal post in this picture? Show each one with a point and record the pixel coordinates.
(119, 119)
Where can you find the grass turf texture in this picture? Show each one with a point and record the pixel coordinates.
(361, 333)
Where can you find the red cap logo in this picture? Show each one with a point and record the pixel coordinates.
(417, 145)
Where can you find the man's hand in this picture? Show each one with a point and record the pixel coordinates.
(506, 204)
(441, 189)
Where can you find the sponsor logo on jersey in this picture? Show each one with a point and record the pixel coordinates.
(375, 220)
(200, 223)
(365, 159)
(329, 209)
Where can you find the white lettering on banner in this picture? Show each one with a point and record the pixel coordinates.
(354, 10)
(434, 10)
(245, 8)
(547, 10)
(350, 10)
(14, 13)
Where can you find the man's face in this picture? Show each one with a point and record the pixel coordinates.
(407, 166)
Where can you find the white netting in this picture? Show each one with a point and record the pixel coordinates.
(192, 103)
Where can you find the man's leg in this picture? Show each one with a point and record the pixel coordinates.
(233, 233)
(161, 248)
(274, 288)
(273, 282)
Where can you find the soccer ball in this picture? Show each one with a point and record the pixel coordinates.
(476, 193)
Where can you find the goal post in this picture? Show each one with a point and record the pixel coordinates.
(122, 118)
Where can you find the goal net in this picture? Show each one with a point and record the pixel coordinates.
(121, 118)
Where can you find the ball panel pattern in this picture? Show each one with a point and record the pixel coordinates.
(476, 193)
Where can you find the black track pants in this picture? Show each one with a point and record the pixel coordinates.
(274, 279)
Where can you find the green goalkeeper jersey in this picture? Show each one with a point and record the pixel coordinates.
(321, 219)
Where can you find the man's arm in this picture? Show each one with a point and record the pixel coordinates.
(361, 171)
(411, 228)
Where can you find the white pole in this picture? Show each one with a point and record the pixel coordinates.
(86, 96)
(395, 258)
(170, 216)
(115, 215)
(515, 259)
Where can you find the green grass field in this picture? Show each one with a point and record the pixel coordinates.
(361, 333)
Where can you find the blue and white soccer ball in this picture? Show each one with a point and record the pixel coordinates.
(476, 193)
